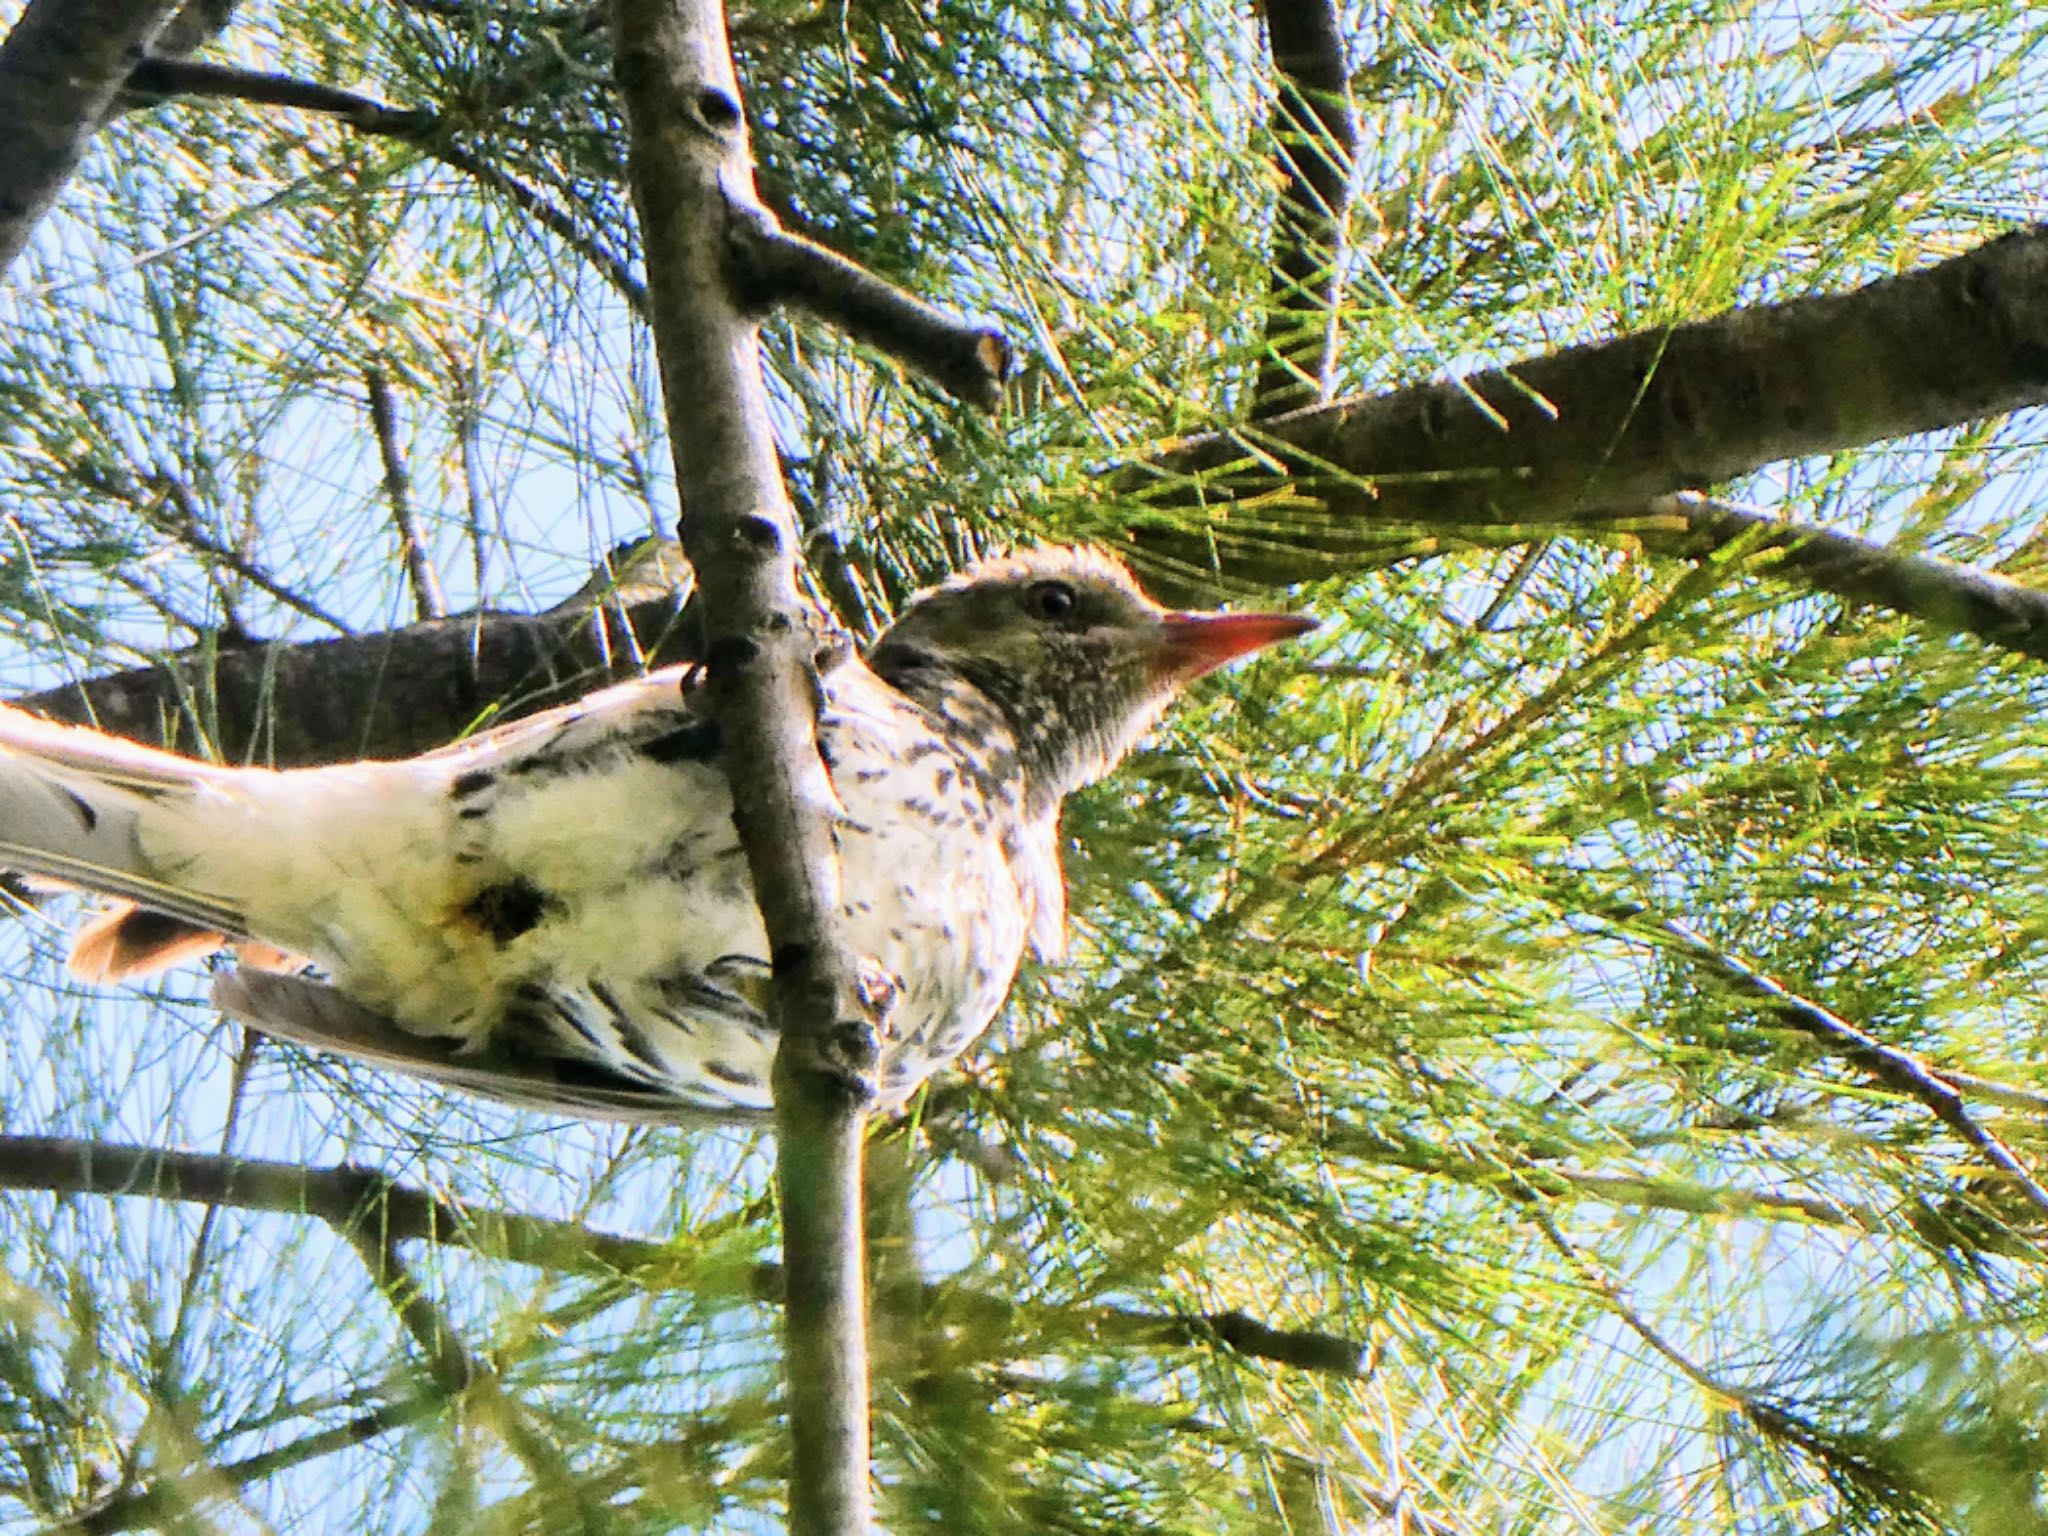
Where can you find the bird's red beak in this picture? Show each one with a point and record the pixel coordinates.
(1195, 643)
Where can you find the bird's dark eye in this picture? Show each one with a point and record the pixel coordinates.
(1050, 600)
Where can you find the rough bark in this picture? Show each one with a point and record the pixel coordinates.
(61, 68)
(1576, 438)
(385, 695)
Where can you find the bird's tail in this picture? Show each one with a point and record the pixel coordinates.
(75, 806)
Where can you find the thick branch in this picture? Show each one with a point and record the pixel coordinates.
(690, 168)
(386, 695)
(1566, 439)
(1315, 135)
(61, 68)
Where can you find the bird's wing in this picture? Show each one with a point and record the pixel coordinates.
(312, 1014)
(577, 726)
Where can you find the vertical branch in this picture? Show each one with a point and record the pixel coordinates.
(428, 600)
(692, 183)
(467, 412)
(1315, 133)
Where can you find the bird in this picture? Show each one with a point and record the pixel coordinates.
(557, 912)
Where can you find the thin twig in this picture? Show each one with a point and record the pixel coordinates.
(428, 600)
(1897, 1070)
(342, 1196)
(465, 424)
(1518, 578)
(218, 576)
(553, 19)
(416, 126)
(187, 529)
(1395, 1506)
(1637, 1191)
(266, 88)
(202, 1242)
(559, 221)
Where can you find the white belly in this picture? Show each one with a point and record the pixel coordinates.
(590, 901)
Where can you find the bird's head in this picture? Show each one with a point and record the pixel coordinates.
(1076, 659)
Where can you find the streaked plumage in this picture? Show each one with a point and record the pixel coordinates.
(558, 912)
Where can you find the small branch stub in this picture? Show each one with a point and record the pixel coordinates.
(770, 266)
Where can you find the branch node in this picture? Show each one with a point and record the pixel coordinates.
(760, 531)
(716, 110)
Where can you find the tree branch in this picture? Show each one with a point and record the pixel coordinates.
(381, 695)
(61, 67)
(427, 598)
(166, 503)
(419, 127)
(1895, 1069)
(1577, 438)
(163, 77)
(1939, 593)
(768, 263)
(375, 1213)
(690, 167)
(363, 1204)
(1315, 138)
(773, 266)
(347, 1198)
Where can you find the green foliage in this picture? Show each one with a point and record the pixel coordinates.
(1379, 1024)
